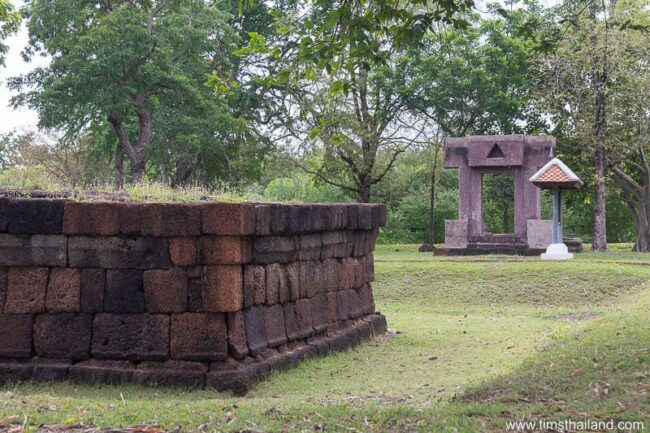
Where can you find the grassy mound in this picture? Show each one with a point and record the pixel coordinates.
(479, 342)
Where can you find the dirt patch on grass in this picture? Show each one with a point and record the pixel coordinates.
(578, 317)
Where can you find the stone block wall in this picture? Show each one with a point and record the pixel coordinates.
(204, 294)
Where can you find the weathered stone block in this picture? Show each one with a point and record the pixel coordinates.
(131, 336)
(365, 330)
(277, 288)
(274, 321)
(16, 335)
(311, 279)
(359, 265)
(318, 217)
(356, 307)
(4, 218)
(237, 346)
(3, 287)
(539, 233)
(290, 321)
(353, 217)
(367, 303)
(15, 250)
(309, 246)
(46, 370)
(456, 233)
(15, 370)
(223, 288)
(337, 216)
(321, 344)
(102, 371)
(64, 290)
(199, 337)
(319, 312)
(234, 376)
(335, 245)
(195, 295)
(262, 220)
(378, 215)
(350, 269)
(279, 218)
(332, 307)
(81, 218)
(229, 219)
(378, 323)
(171, 373)
(275, 249)
(49, 250)
(124, 292)
(165, 291)
(36, 250)
(299, 219)
(182, 251)
(292, 271)
(255, 330)
(365, 242)
(26, 291)
(93, 282)
(343, 304)
(118, 252)
(370, 268)
(158, 219)
(64, 335)
(254, 285)
(345, 339)
(303, 318)
(364, 221)
(224, 250)
(331, 275)
(37, 216)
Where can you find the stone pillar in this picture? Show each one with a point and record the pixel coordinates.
(527, 199)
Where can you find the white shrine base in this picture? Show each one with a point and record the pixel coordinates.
(557, 252)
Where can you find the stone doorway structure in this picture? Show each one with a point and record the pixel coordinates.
(475, 156)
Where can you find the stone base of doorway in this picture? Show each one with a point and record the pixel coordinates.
(557, 252)
(574, 245)
(238, 376)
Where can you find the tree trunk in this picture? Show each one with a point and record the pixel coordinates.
(363, 194)
(119, 167)
(506, 219)
(642, 243)
(599, 238)
(599, 77)
(137, 158)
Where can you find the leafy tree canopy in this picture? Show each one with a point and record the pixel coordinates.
(9, 22)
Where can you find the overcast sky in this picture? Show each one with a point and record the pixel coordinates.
(23, 118)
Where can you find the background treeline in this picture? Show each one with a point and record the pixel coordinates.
(316, 100)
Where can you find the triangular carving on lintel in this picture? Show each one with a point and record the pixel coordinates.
(496, 152)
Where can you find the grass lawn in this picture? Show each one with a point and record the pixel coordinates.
(479, 342)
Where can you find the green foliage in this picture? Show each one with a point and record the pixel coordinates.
(33, 177)
(142, 66)
(300, 187)
(477, 79)
(9, 23)
(350, 35)
(498, 202)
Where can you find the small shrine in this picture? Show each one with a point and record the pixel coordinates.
(556, 176)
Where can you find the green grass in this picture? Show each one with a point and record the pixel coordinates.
(480, 341)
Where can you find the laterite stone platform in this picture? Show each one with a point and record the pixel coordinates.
(203, 294)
